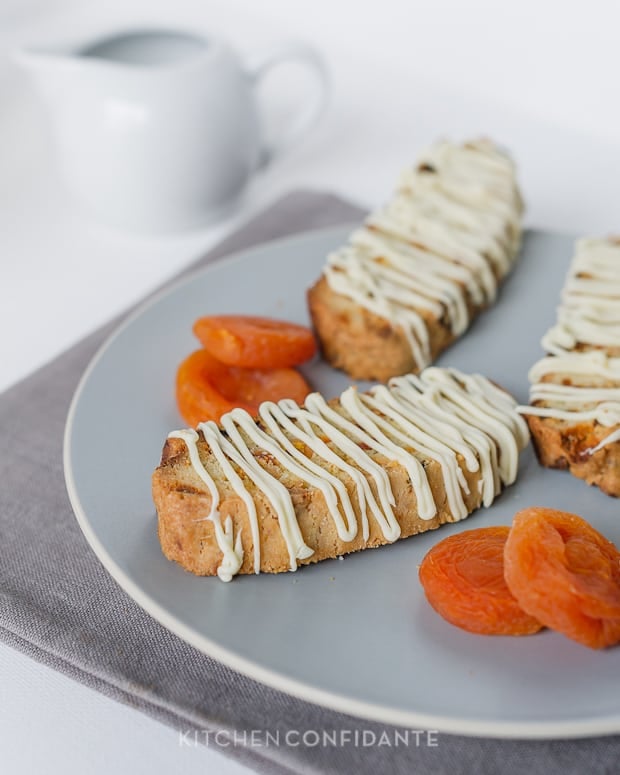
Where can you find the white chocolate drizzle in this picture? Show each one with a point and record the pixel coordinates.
(442, 415)
(590, 310)
(439, 247)
(575, 382)
(232, 553)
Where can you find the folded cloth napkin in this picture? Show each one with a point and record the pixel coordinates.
(60, 606)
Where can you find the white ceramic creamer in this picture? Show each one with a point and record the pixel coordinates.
(160, 130)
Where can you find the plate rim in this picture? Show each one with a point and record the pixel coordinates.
(523, 730)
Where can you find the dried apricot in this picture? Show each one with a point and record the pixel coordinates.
(255, 342)
(207, 388)
(463, 579)
(565, 573)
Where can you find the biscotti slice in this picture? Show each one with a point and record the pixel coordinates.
(302, 484)
(574, 412)
(410, 280)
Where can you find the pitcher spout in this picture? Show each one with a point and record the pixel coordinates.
(34, 58)
(53, 72)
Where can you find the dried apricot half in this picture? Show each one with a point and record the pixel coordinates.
(566, 574)
(463, 579)
(207, 388)
(255, 343)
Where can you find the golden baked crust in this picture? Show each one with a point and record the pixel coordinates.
(363, 344)
(182, 500)
(565, 445)
(575, 390)
(319, 481)
(410, 280)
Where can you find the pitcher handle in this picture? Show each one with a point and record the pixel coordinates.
(309, 113)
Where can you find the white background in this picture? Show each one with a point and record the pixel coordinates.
(539, 76)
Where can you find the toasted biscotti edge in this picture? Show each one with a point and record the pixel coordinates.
(363, 344)
(186, 537)
(565, 445)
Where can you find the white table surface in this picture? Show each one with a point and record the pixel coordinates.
(541, 77)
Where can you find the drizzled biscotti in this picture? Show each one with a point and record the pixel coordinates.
(574, 412)
(305, 483)
(410, 280)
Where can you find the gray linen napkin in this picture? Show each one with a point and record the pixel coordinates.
(59, 605)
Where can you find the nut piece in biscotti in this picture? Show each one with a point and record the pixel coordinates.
(303, 484)
(408, 283)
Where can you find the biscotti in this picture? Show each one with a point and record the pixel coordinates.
(409, 281)
(305, 483)
(574, 412)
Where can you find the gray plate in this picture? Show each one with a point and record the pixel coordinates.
(353, 634)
